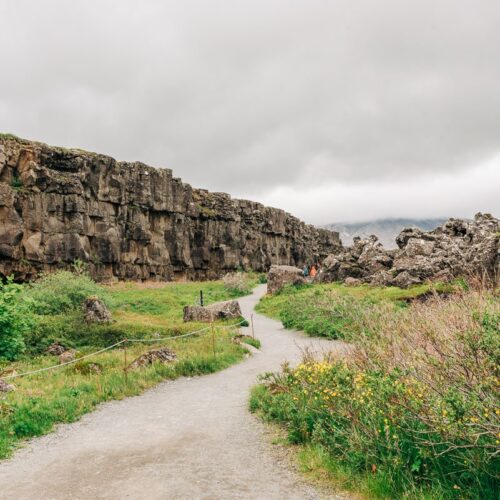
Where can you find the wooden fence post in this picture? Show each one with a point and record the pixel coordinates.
(213, 339)
(125, 361)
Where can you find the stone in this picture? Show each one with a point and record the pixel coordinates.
(279, 276)
(55, 349)
(229, 309)
(164, 356)
(6, 387)
(95, 311)
(457, 248)
(67, 356)
(89, 368)
(130, 221)
(352, 281)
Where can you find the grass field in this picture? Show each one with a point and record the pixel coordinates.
(140, 311)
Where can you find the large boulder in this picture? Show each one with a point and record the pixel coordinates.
(229, 309)
(279, 276)
(95, 311)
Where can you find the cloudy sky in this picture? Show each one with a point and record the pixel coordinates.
(334, 110)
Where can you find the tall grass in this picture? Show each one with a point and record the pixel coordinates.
(414, 412)
(333, 310)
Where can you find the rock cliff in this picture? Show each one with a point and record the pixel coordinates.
(132, 221)
(457, 248)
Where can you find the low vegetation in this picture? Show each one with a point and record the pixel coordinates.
(33, 317)
(335, 310)
(414, 411)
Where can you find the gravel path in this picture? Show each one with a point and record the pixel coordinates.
(189, 438)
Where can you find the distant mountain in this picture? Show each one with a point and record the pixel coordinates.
(385, 229)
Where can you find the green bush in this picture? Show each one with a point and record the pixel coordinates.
(15, 320)
(62, 291)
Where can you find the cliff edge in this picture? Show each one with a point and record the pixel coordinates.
(131, 221)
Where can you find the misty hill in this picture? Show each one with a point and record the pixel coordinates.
(385, 229)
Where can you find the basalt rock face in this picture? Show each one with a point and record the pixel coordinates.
(131, 221)
(457, 248)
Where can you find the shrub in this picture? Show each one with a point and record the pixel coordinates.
(15, 320)
(417, 404)
(62, 291)
(236, 283)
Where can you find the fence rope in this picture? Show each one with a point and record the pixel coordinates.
(60, 365)
(159, 339)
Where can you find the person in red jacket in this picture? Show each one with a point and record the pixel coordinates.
(313, 271)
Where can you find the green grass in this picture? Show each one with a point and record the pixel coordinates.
(252, 341)
(334, 310)
(320, 467)
(139, 311)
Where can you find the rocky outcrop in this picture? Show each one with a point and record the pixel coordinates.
(457, 248)
(131, 221)
(279, 276)
(229, 309)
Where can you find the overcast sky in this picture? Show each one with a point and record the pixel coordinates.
(334, 110)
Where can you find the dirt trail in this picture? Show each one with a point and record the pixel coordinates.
(189, 438)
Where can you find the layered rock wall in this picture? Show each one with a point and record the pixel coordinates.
(132, 221)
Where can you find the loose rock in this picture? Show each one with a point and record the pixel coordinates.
(55, 349)
(95, 311)
(6, 387)
(163, 355)
(229, 309)
(66, 356)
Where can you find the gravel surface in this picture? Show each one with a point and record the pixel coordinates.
(189, 438)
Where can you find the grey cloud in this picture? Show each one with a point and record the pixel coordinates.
(254, 95)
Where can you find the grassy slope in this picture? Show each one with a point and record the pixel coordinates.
(63, 395)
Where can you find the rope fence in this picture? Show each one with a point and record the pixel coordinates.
(124, 341)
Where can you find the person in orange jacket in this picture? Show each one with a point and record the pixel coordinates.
(313, 271)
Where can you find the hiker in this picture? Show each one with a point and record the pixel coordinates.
(313, 271)
(305, 271)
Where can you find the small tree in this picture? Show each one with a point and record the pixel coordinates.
(15, 320)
